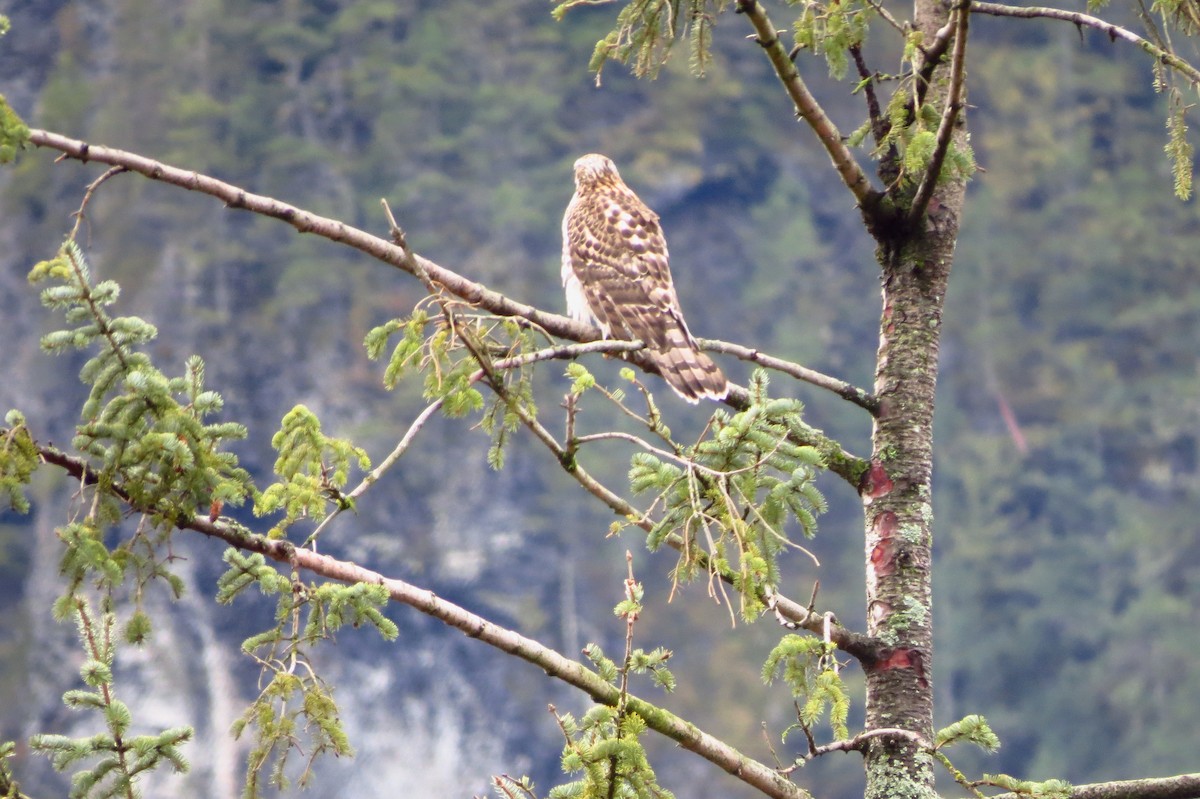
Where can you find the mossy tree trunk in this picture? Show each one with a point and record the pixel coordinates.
(915, 252)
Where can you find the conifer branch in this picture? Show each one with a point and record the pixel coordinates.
(1088, 21)
(950, 115)
(659, 452)
(849, 467)
(80, 215)
(571, 672)
(807, 107)
(856, 644)
(383, 250)
(860, 646)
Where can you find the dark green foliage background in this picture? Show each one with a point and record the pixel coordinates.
(1068, 552)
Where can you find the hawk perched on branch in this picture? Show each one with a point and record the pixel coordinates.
(616, 275)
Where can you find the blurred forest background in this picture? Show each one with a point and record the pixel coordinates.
(1068, 482)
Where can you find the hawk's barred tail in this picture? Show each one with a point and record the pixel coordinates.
(699, 378)
(689, 372)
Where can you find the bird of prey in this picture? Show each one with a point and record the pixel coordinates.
(616, 275)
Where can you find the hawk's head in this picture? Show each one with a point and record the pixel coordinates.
(593, 169)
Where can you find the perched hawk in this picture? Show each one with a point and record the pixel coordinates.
(615, 272)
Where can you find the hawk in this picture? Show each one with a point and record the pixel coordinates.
(616, 275)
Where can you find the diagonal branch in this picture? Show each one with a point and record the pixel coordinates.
(1088, 21)
(571, 672)
(307, 222)
(950, 115)
(379, 248)
(515, 362)
(858, 645)
(807, 106)
(899, 27)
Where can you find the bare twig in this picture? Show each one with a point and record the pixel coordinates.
(87, 197)
(616, 435)
(856, 743)
(387, 463)
(1088, 21)
(901, 28)
(771, 748)
(566, 351)
(851, 393)
(808, 736)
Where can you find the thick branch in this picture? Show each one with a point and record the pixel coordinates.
(954, 105)
(687, 735)
(1088, 21)
(332, 229)
(568, 352)
(807, 106)
(1184, 786)
(381, 249)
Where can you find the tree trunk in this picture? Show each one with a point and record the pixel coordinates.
(898, 493)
